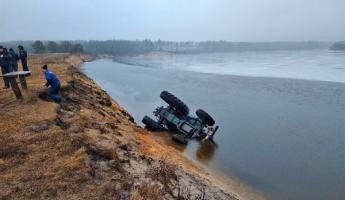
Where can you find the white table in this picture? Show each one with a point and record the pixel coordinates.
(12, 77)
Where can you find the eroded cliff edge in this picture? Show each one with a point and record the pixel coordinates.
(88, 147)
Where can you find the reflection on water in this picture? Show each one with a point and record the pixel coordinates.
(317, 64)
(205, 151)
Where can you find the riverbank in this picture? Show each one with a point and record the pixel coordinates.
(88, 147)
(280, 136)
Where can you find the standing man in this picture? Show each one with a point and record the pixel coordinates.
(5, 62)
(14, 60)
(54, 83)
(23, 55)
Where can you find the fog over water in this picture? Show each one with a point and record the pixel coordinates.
(233, 20)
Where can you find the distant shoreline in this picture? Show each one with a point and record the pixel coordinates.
(133, 47)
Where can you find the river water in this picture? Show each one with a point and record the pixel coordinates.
(281, 113)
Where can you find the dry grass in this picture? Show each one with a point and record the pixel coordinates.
(148, 191)
(84, 148)
(67, 151)
(37, 164)
(166, 174)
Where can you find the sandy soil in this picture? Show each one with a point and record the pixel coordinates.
(88, 147)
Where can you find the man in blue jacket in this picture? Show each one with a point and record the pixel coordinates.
(54, 83)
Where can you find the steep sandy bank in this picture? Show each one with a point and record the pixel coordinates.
(88, 147)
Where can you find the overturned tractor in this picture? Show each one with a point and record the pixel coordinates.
(176, 118)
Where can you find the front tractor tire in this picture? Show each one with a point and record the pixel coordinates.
(151, 124)
(205, 117)
(175, 102)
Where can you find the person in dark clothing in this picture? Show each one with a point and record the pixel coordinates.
(8, 60)
(5, 62)
(54, 83)
(14, 60)
(23, 55)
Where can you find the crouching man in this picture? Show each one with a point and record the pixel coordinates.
(54, 83)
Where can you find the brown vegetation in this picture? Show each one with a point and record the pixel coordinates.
(88, 147)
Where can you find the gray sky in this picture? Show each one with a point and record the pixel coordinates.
(233, 20)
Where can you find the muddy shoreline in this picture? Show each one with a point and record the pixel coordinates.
(159, 151)
(88, 147)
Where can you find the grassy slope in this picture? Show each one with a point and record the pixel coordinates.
(86, 148)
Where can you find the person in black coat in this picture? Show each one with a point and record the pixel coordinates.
(5, 62)
(14, 60)
(23, 55)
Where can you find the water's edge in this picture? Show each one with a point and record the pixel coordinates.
(226, 181)
(301, 94)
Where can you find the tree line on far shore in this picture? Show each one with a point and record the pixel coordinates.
(338, 46)
(128, 47)
(57, 47)
(132, 47)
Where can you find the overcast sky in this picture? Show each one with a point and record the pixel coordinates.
(233, 20)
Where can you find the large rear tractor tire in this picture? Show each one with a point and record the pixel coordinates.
(175, 102)
(152, 124)
(205, 117)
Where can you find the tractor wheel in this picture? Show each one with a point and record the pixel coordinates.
(179, 138)
(152, 124)
(175, 102)
(205, 117)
